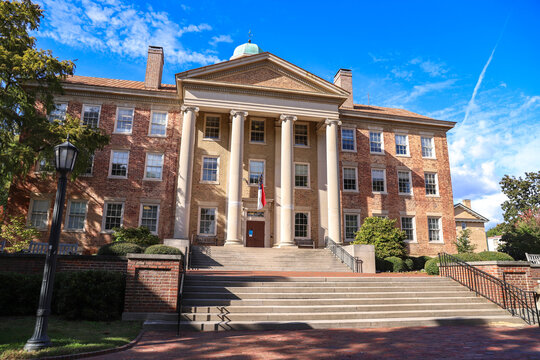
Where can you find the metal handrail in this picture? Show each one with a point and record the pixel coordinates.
(517, 301)
(179, 297)
(353, 262)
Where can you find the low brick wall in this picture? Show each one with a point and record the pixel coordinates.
(33, 263)
(517, 273)
(152, 283)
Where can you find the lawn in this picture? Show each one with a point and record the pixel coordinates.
(68, 337)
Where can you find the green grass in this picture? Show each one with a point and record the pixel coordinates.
(67, 337)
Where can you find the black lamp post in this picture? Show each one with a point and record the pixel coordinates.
(65, 155)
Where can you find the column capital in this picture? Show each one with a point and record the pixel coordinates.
(239, 113)
(186, 108)
(285, 117)
(332, 122)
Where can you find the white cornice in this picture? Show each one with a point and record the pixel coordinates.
(94, 90)
(355, 114)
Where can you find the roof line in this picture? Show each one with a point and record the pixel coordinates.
(468, 209)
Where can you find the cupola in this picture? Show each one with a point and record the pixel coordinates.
(246, 49)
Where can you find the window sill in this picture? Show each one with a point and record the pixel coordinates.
(302, 146)
(438, 242)
(157, 136)
(349, 151)
(152, 179)
(87, 175)
(116, 177)
(257, 143)
(379, 193)
(350, 191)
(411, 241)
(212, 140)
(302, 187)
(429, 158)
(121, 133)
(404, 155)
(206, 235)
(433, 196)
(209, 182)
(106, 232)
(74, 231)
(377, 153)
(405, 194)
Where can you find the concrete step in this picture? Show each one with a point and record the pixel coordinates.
(193, 276)
(319, 284)
(313, 289)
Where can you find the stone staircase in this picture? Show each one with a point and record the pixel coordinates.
(214, 302)
(239, 258)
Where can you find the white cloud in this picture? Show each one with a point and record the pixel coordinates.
(220, 39)
(432, 68)
(377, 59)
(402, 98)
(120, 28)
(402, 74)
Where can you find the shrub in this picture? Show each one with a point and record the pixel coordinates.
(17, 234)
(463, 242)
(19, 293)
(383, 265)
(120, 249)
(409, 264)
(140, 236)
(90, 295)
(419, 262)
(383, 233)
(162, 249)
(494, 255)
(398, 265)
(468, 257)
(431, 266)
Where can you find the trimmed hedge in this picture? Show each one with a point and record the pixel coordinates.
(398, 265)
(19, 293)
(431, 266)
(419, 262)
(409, 264)
(468, 257)
(120, 249)
(495, 256)
(162, 249)
(140, 236)
(383, 265)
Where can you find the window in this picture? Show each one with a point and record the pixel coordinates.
(149, 217)
(39, 216)
(207, 221)
(407, 225)
(58, 113)
(154, 166)
(404, 182)
(300, 134)
(256, 169)
(301, 225)
(352, 223)
(378, 183)
(210, 169)
(348, 139)
(402, 145)
(124, 120)
(211, 127)
(301, 175)
(349, 179)
(463, 225)
(76, 215)
(376, 142)
(113, 215)
(90, 169)
(158, 123)
(434, 227)
(119, 163)
(431, 184)
(257, 131)
(90, 115)
(428, 150)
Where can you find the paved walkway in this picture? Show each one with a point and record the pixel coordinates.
(449, 342)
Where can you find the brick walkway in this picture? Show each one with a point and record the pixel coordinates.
(449, 342)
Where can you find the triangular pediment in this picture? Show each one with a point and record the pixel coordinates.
(264, 71)
(463, 212)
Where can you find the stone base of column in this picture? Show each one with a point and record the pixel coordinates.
(233, 242)
(287, 245)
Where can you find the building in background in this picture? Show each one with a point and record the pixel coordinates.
(185, 159)
(467, 218)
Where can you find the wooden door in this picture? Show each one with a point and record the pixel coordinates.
(255, 233)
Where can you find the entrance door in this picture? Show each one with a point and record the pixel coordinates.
(255, 233)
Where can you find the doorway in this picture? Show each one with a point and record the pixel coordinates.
(254, 233)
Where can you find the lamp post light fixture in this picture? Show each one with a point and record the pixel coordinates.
(65, 156)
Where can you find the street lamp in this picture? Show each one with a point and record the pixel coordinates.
(65, 155)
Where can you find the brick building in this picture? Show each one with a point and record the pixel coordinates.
(467, 218)
(185, 159)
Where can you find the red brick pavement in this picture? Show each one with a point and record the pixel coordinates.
(448, 342)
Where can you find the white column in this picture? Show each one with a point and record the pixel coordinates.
(332, 171)
(234, 192)
(185, 171)
(287, 177)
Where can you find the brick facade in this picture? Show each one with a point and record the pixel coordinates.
(33, 263)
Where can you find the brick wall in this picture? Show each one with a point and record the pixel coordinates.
(32, 263)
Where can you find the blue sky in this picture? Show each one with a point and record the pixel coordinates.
(473, 62)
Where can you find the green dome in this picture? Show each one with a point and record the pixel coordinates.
(246, 49)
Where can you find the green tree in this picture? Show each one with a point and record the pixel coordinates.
(463, 242)
(523, 195)
(29, 80)
(17, 235)
(497, 230)
(522, 237)
(383, 233)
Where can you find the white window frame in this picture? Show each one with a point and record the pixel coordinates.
(251, 129)
(55, 106)
(104, 215)
(382, 142)
(202, 181)
(68, 212)
(355, 176)
(215, 220)
(439, 220)
(432, 147)
(99, 113)
(308, 175)
(206, 116)
(116, 120)
(408, 153)
(166, 123)
(308, 213)
(146, 163)
(294, 134)
(111, 163)
(410, 182)
(436, 184)
(414, 239)
(249, 171)
(384, 179)
(345, 214)
(157, 216)
(354, 139)
(31, 210)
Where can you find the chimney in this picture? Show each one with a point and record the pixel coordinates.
(154, 67)
(467, 203)
(343, 79)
